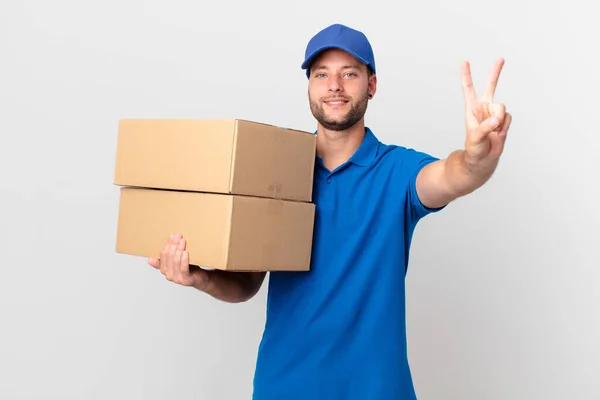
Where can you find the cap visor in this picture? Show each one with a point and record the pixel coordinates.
(306, 64)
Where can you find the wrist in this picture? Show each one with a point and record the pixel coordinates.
(470, 162)
(476, 166)
(201, 278)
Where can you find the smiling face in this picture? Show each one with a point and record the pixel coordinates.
(339, 87)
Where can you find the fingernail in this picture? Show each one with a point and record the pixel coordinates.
(494, 121)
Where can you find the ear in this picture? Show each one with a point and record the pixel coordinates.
(372, 85)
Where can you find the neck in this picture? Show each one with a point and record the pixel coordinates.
(336, 147)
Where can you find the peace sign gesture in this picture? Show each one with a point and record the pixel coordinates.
(487, 122)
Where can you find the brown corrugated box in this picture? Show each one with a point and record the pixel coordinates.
(240, 192)
(227, 232)
(220, 156)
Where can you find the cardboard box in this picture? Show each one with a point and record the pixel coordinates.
(219, 156)
(228, 232)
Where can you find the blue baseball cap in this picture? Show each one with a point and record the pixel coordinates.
(341, 37)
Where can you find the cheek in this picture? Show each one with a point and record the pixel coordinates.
(314, 94)
(317, 90)
(361, 91)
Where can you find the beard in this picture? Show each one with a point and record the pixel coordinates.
(340, 122)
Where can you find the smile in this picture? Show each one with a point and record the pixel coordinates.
(336, 102)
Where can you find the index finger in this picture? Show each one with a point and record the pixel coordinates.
(493, 79)
(467, 82)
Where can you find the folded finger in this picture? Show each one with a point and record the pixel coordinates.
(487, 126)
(164, 257)
(506, 125)
(498, 110)
(184, 267)
(178, 250)
(480, 110)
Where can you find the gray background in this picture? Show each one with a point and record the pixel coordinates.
(503, 289)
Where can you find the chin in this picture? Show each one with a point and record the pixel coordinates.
(337, 125)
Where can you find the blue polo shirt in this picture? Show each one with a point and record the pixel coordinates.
(338, 331)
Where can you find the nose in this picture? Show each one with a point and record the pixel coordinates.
(335, 84)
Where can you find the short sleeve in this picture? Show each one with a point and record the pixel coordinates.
(413, 163)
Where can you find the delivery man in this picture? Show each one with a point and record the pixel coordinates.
(338, 331)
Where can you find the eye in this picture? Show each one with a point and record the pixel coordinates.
(351, 74)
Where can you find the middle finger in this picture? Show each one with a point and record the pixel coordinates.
(177, 259)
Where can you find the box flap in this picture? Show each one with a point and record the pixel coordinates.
(271, 161)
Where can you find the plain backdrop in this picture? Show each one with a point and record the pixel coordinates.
(503, 286)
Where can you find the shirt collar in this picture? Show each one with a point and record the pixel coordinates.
(366, 152)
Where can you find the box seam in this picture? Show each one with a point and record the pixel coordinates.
(229, 233)
(234, 143)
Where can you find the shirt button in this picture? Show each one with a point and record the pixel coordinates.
(328, 180)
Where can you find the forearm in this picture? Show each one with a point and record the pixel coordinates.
(462, 176)
(231, 287)
(443, 181)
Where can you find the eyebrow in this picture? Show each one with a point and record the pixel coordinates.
(347, 66)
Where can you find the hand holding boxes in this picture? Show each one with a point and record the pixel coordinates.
(239, 192)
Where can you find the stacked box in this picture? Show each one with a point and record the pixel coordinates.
(239, 192)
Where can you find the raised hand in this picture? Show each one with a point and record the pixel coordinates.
(487, 122)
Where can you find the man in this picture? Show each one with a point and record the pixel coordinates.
(338, 331)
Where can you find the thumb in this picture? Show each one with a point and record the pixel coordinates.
(487, 126)
(154, 262)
